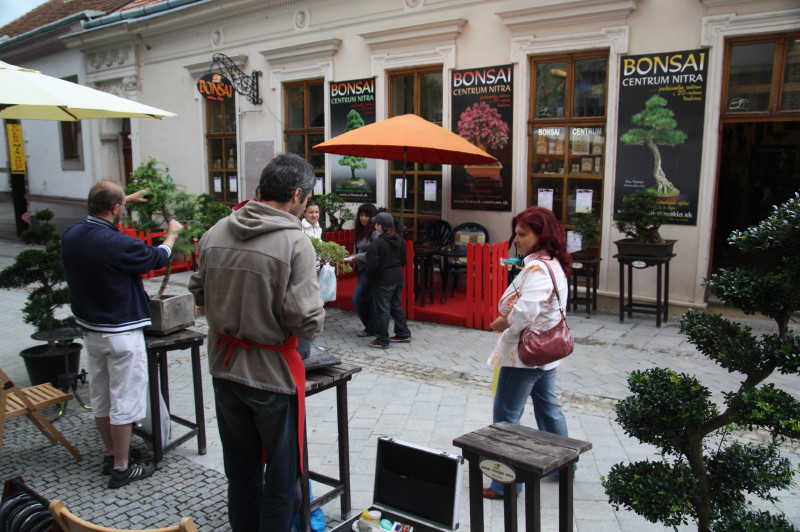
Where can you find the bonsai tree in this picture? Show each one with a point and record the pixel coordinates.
(587, 227)
(482, 125)
(333, 208)
(354, 121)
(705, 473)
(167, 200)
(640, 217)
(40, 270)
(657, 128)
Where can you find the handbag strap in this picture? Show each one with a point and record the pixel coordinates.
(555, 286)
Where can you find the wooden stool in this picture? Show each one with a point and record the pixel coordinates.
(513, 453)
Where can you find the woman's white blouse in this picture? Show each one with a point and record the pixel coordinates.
(311, 230)
(529, 300)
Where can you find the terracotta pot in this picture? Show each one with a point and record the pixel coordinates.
(484, 170)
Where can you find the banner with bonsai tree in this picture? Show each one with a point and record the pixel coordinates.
(661, 118)
(482, 104)
(352, 106)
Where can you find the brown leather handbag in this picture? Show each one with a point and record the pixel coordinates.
(538, 349)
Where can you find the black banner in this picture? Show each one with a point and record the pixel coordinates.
(482, 105)
(661, 118)
(352, 106)
(215, 87)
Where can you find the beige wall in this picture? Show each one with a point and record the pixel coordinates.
(347, 39)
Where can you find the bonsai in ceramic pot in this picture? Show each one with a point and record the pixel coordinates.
(640, 218)
(482, 125)
(40, 271)
(167, 200)
(588, 228)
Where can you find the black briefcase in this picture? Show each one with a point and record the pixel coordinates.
(415, 486)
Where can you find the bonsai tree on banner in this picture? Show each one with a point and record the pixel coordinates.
(354, 121)
(657, 127)
(711, 466)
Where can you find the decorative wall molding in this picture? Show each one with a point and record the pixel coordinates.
(322, 50)
(717, 3)
(301, 19)
(438, 33)
(565, 13)
(111, 58)
(198, 69)
(217, 38)
(716, 28)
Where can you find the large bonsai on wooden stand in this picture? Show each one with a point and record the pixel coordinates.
(706, 473)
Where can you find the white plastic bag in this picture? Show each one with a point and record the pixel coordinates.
(166, 422)
(327, 283)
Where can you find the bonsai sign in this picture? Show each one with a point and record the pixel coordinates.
(215, 87)
(482, 103)
(352, 106)
(661, 120)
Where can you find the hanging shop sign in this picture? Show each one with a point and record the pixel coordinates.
(482, 104)
(16, 148)
(215, 87)
(352, 105)
(662, 100)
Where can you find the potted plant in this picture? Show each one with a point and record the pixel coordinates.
(482, 125)
(41, 271)
(710, 467)
(167, 200)
(588, 228)
(640, 218)
(334, 211)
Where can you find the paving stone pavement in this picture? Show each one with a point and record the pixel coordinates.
(426, 392)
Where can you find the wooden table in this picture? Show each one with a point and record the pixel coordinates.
(158, 374)
(586, 269)
(318, 381)
(512, 453)
(640, 262)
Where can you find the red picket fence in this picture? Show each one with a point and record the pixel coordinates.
(148, 237)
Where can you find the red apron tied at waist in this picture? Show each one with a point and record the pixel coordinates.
(296, 367)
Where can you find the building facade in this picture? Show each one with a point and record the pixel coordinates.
(582, 101)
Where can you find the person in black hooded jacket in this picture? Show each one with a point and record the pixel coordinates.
(385, 260)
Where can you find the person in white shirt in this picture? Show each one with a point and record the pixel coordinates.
(310, 220)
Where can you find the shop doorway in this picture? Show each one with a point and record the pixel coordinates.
(759, 168)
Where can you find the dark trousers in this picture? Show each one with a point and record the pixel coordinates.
(388, 305)
(260, 498)
(363, 304)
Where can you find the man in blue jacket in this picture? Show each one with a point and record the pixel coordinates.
(109, 302)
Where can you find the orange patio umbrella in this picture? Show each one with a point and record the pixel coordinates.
(407, 138)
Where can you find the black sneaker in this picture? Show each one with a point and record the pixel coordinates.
(108, 465)
(405, 340)
(132, 474)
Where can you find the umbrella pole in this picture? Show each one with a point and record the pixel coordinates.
(403, 196)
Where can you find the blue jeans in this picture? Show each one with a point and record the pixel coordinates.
(260, 498)
(363, 304)
(387, 305)
(514, 386)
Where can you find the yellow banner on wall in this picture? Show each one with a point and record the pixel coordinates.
(16, 148)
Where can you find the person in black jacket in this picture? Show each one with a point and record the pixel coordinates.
(103, 268)
(385, 260)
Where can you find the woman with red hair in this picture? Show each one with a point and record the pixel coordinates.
(530, 302)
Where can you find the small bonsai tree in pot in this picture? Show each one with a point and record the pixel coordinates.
(334, 212)
(707, 473)
(167, 200)
(588, 228)
(41, 271)
(640, 218)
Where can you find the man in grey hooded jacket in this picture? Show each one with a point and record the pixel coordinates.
(257, 285)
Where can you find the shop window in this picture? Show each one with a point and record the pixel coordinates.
(223, 166)
(416, 91)
(304, 105)
(763, 75)
(71, 141)
(567, 137)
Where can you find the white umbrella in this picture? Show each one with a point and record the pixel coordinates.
(30, 95)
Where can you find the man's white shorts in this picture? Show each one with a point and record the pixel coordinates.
(117, 375)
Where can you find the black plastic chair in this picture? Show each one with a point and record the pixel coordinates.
(457, 266)
(438, 235)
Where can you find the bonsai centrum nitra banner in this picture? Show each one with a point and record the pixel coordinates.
(352, 105)
(661, 125)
